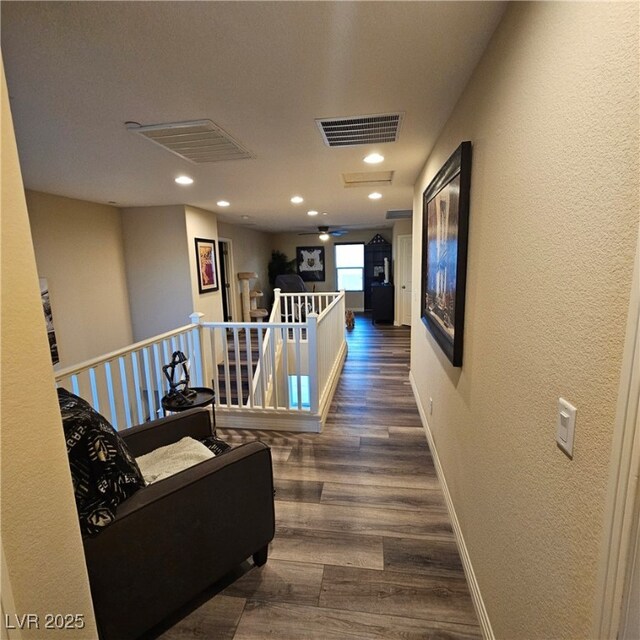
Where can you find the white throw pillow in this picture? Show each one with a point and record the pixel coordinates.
(166, 461)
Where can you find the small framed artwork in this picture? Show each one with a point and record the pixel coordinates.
(207, 266)
(310, 261)
(445, 225)
(48, 317)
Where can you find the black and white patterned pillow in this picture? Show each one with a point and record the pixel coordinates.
(103, 470)
(214, 444)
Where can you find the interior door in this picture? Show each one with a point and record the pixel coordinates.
(630, 614)
(405, 247)
(225, 273)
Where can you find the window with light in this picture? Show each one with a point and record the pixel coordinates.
(350, 266)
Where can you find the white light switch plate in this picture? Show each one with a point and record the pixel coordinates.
(566, 426)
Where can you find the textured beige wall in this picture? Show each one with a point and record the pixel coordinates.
(203, 224)
(79, 250)
(403, 227)
(552, 111)
(251, 252)
(158, 270)
(41, 540)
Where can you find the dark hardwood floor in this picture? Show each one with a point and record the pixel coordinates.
(363, 546)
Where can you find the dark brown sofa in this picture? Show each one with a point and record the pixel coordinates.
(174, 538)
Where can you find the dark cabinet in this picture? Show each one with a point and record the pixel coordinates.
(374, 254)
(382, 302)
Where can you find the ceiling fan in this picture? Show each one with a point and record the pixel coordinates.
(323, 233)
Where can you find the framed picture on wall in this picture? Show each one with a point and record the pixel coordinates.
(310, 263)
(48, 317)
(207, 265)
(445, 224)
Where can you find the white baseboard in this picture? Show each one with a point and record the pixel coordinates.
(474, 587)
(334, 378)
(268, 420)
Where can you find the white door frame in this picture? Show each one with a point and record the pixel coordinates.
(624, 469)
(233, 291)
(7, 604)
(399, 297)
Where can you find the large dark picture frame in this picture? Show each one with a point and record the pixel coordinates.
(445, 231)
(206, 265)
(310, 263)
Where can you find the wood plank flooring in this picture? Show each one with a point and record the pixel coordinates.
(363, 545)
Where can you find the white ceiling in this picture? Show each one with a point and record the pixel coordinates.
(263, 71)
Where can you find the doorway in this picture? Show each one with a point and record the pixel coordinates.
(226, 280)
(617, 608)
(405, 249)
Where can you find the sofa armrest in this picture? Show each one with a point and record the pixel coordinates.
(203, 472)
(143, 438)
(174, 538)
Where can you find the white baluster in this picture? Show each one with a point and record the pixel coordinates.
(274, 369)
(111, 395)
(214, 359)
(298, 336)
(227, 375)
(125, 390)
(75, 387)
(236, 347)
(204, 371)
(158, 371)
(247, 340)
(136, 382)
(94, 389)
(147, 377)
(263, 367)
(312, 346)
(166, 360)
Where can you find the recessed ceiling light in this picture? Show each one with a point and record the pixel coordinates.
(375, 196)
(324, 237)
(374, 158)
(223, 203)
(312, 213)
(297, 199)
(245, 217)
(324, 213)
(184, 180)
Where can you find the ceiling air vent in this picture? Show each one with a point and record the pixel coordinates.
(398, 214)
(197, 141)
(347, 132)
(368, 179)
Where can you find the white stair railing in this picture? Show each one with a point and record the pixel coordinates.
(275, 367)
(283, 364)
(127, 385)
(253, 363)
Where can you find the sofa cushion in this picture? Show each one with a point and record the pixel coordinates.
(104, 473)
(172, 458)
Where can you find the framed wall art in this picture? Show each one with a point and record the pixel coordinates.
(48, 317)
(310, 263)
(207, 265)
(445, 225)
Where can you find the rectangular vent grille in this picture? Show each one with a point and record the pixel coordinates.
(198, 141)
(398, 214)
(374, 129)
(368, 179)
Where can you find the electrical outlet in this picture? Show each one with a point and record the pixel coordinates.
(566, 426)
